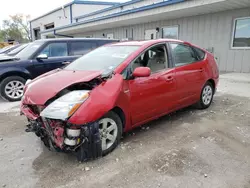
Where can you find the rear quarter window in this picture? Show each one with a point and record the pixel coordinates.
(81, 48)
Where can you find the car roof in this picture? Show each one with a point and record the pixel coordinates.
(76, 39)
(144, 42)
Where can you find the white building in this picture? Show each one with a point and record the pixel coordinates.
(64, 16)
(221, 26)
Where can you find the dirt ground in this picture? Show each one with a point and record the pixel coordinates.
(189, 148)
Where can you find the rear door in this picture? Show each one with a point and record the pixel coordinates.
(189, 72)
(79, 48)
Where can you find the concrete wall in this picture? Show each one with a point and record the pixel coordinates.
(208, 31)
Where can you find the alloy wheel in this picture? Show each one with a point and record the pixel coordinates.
(14, 89)
(207, 95)
(108, 132)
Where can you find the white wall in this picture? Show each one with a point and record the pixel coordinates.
(58, 16)
(81, 9)
(124, 8)
(208, 31)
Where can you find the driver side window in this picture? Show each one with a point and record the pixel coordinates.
(55, 50)
(155, 58)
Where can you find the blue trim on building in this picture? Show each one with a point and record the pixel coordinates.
(95, 2)
(31, 34)
(107, 9)
(60, 35)
(78, 2)
(70, 14)
(140, 9)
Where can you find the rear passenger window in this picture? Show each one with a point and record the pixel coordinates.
(183, 54)
(81, 48)
(200, 53)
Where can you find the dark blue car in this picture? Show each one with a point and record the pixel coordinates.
(38, 58)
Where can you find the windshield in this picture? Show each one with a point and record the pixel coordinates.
(29, 50)
(103, 58)
(18, 49)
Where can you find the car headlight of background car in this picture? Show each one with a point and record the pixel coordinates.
(65, 106)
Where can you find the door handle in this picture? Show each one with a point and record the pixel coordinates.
(201, 70)
(169, 78)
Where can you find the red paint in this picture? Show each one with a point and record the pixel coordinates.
(142, 72)
(42, 89)
(28, 112)
(102, 99)
(141, 99)
(58, 134)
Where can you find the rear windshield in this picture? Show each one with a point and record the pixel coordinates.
(103, 58)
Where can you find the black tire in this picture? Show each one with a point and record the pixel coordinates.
(5, 82)
(117, 119)
(201, 105)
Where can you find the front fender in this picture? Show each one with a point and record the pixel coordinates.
(102, 99)
(9, 70)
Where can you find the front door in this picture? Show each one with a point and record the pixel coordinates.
(57, 53)
(190, 73)
(154, 95)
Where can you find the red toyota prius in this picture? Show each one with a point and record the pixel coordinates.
(85, 107)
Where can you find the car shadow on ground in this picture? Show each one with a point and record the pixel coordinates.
(165, 122)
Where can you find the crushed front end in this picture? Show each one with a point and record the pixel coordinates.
(50, 122)
(66, 116)
(58, 135)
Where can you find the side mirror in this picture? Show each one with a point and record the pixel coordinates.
(141, 72)
(42, 56)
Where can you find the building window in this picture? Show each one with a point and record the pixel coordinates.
(170, 32)
(37, 34)
(241, 33)
(49, 26)
(110, 36)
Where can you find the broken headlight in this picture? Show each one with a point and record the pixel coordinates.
(65, 106)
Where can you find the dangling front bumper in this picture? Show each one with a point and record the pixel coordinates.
(84, 141)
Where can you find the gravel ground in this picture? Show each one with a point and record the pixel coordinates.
(189, 148)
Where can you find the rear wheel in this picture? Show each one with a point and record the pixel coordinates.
(206, 97)
(12, 88)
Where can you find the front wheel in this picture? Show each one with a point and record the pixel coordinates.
(206, 96)
(12, 88)
(110, 128)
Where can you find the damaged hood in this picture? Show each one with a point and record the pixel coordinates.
(48, 85)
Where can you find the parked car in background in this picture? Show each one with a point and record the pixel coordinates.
(40, 57)
(85, 107)
(9, 48)
(11, 55)
(15, 51)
